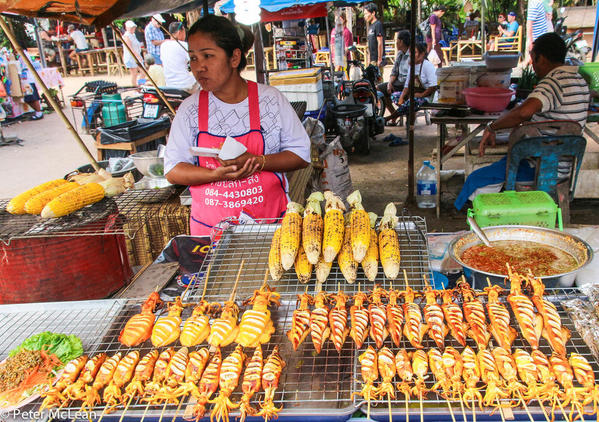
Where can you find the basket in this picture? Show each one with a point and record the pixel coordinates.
(590, 72)
(532, 208)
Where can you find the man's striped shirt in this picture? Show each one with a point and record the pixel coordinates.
(536, 14)
(564, 95)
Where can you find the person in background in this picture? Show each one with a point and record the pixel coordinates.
(132, 41)
(154, 37)
(436, 32)
(561, 94)
(399, 73)
(472, 25)
(348, 39)
(79, 39)
(31, 95)
(255, 115)
(548, 4)
(507, 30)
(49, 49)
(536, 24)
(375, 36)
(175, 60)
(156, 71)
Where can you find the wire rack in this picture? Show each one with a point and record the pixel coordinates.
(250, 243)
(435, 404)
(123, 214)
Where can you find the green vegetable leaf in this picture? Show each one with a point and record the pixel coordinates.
(65, 347)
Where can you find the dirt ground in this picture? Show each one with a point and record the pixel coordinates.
(49, 151)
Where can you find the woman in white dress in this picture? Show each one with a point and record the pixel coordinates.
(132, 41)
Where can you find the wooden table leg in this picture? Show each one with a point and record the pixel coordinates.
(63, 61)
(91, 63)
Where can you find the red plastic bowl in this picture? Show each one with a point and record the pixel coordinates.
(487, 99)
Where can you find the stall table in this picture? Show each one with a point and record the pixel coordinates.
(473, 46)
(442, 122)
(128, 146)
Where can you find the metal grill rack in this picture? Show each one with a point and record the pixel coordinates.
(435, 404)
(122, 214)
(250, 243)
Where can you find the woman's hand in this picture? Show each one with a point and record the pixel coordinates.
(239, 168)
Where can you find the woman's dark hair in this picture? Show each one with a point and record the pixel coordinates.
(226, 35)
(440, 7)
(421, 47)
(551, 46)
(404, 36)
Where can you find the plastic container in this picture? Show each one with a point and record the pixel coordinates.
(490, 100)
(113, 110)
(533, 208)
(491, 78)
(452, 81)
(501, 61)
(426, 186)
(300, 85)
(590, 72)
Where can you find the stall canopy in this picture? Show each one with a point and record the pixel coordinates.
(98, 12)
(277, 5)
(295, 12)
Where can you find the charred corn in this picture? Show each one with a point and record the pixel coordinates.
(370, 263)
(36, 204)
(312, 227)
(346, 261)
(73, 200)
(274, 257)
(359, 225)
(322, 270)
(389, 243)
(334, 226)
(291, 233)
(303, 268)
(17, 204)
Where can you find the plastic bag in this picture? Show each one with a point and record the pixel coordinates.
(335, 174)
(433, 57)
(315, 130)
(585, 321)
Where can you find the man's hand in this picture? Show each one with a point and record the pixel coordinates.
(488, 137)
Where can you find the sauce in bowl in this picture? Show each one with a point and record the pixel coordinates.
(541, 259)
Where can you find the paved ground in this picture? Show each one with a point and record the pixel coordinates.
(49, 151)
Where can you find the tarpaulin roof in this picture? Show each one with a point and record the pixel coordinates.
(97, 12)
(276, 5)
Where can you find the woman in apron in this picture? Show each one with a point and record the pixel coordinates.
(258, 116)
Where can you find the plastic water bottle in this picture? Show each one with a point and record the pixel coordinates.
(426, 186)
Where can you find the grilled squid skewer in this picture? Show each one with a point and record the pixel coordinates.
(271, 374)
(338, 320)
(394, 317)
(359, 319)
(433, 315)
(300, 322)
(251, 384)
(319, 321)
(230, 373)
(55, 397)
(378, 316)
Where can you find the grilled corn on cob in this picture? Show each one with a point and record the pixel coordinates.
(334, 225)
(389, 243)
(73, 200)
(370, 263)
(322, 272)
(36, 204)
(312, 227)
(291, 233)
(274, 257)
(17, 204)
(303, 267)
(345, 259)
(359, 225)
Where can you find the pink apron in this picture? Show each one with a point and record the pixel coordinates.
(261, 195)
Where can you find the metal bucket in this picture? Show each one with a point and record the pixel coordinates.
(573, 245)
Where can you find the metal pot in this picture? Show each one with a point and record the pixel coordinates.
(575, 246)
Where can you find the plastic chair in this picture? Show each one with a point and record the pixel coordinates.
(547, 143)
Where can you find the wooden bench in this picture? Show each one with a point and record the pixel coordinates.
(128, 146)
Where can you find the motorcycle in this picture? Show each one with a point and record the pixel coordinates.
(576, 46)
(154, 106)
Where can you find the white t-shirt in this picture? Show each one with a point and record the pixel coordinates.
(79, 40)
(175, 60)
(427, 72)
(281, 128)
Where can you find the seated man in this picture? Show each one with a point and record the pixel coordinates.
(399, 73)
(175, 60)
(80, 41)
(155, 70)
(507, 30)
(561, 94)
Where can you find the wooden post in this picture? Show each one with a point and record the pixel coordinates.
(259, 56)
(143, 69)
(49, 96)
(411, 111)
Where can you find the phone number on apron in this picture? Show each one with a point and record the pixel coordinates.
(234, 194)
(237, 204)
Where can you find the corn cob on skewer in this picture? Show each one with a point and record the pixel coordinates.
(274, 257)
(303, 267)
(36, 204)
(359, 225)
(73, 200)
(323, 269)
(347, 264)
(370, 263)
(291, 233)
(312, 227)
(17, 204)
(334, 225)
(389, 243)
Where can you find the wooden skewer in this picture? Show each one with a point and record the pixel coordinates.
(450, 410)
(421, 408)
(102, 415)
(407, 409)
(163, 409)
(405, 277)
(500, 409)
(145, 411)
(368, 409)
(126, 407)
(462, 406)
(206, 281)
(524, 404)
(473, 410)
(542, 406)
(389, 405)
(559, 403)
(178, 409)
(192, 281)
(232, 297)
(265, 280)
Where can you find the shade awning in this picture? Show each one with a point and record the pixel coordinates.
(277, 5)
(98, 12)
